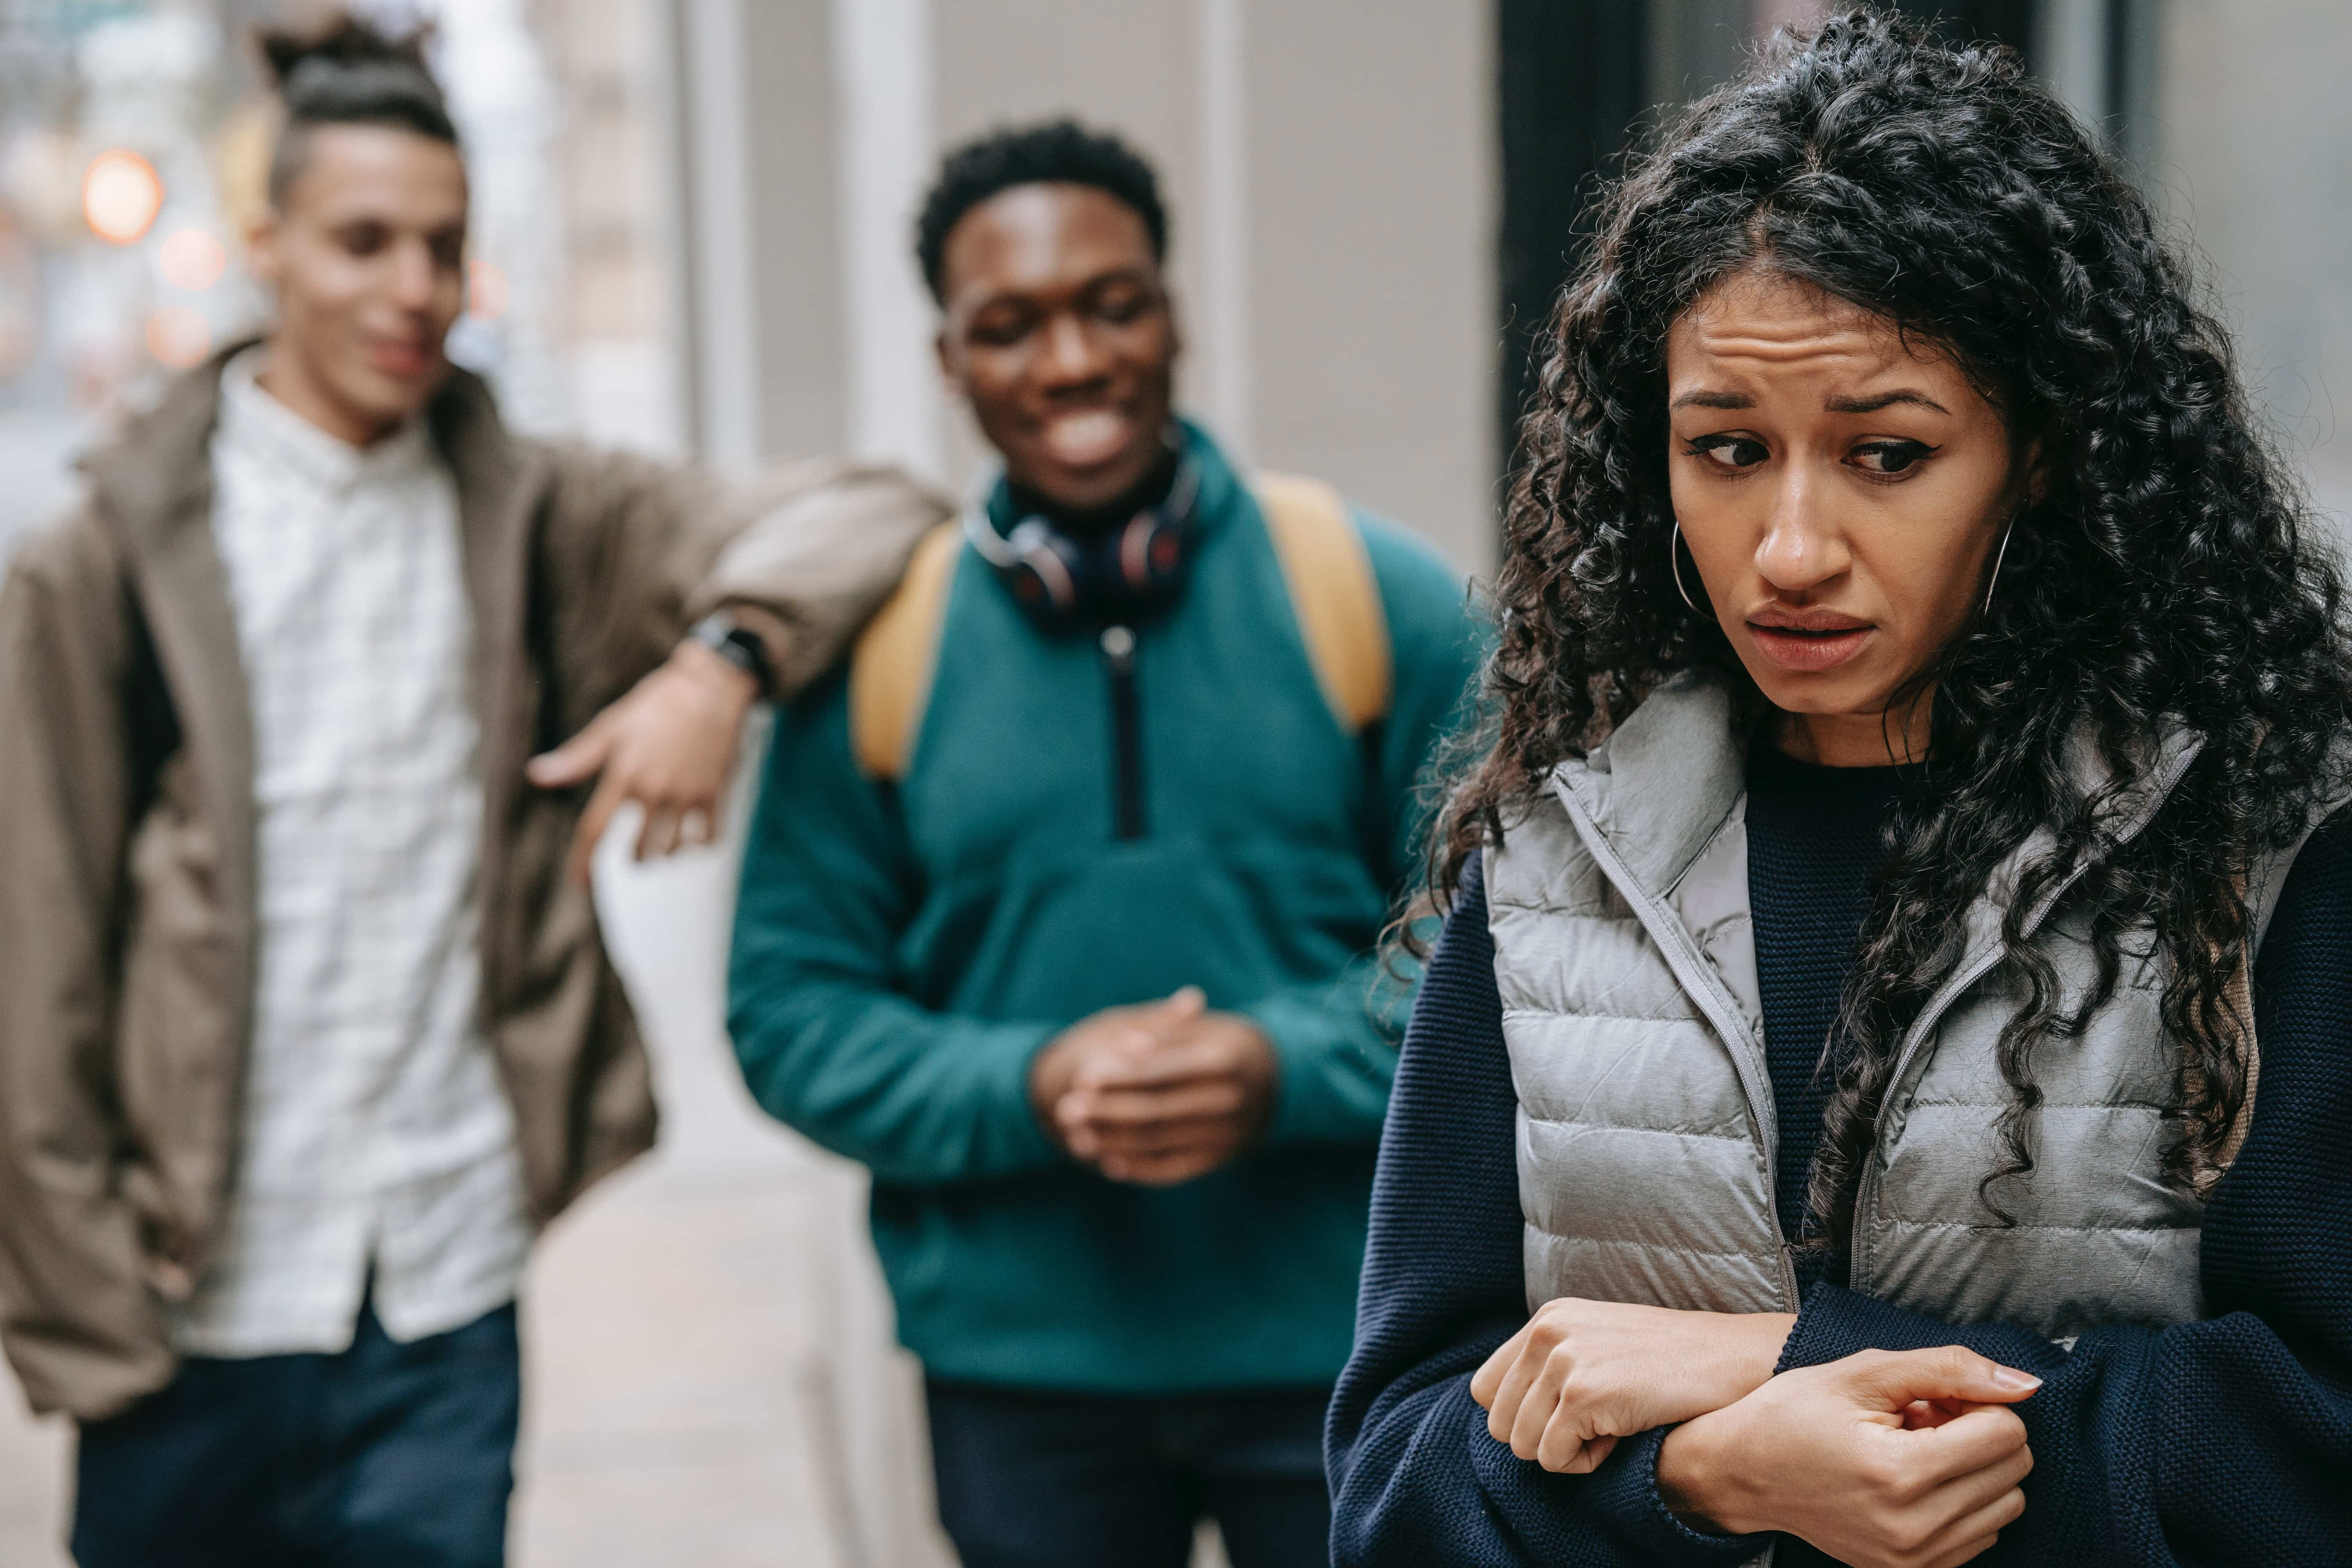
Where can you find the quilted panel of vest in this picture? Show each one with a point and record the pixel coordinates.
(1624, 1094)
(2096, 1233)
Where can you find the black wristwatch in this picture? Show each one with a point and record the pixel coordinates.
(738, 645)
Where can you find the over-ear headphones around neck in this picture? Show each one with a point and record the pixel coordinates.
(1131, 573)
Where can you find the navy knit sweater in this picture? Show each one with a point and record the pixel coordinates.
(1812, 845)
(2227, 1441)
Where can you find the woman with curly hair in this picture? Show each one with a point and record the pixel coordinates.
(1880, 1088)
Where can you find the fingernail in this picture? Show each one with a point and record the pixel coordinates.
(2010, 1380)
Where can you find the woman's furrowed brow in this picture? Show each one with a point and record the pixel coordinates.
(1878, 400)
(1870, 405)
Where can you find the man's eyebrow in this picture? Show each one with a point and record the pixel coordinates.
(1715, 400)
(1882, 400)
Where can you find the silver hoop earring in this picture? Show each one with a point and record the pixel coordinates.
(2001, 555)
(1674, 564)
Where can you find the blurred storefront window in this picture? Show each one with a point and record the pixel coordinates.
(135, 141)
(2252, 132)
(664, 193)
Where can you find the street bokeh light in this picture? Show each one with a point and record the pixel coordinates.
(121, 194)
(191, 259)
(179, 336)
(486, 289)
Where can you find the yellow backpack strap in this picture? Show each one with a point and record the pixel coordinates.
(1335, 594)
(890, 667)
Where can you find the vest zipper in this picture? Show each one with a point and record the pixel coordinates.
(1126, 733)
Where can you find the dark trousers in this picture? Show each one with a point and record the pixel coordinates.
(386, 1456)
(1057, 1481)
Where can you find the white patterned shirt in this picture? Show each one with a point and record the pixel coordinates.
(376, 1138)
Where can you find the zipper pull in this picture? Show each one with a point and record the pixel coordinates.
(1118, 650)
(1126, 733)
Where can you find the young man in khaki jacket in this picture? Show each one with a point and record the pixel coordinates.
(304, 1028)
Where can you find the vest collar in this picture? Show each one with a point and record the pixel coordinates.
(1661, 785)
(1665, 780)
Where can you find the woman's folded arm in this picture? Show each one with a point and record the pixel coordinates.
(2228, 1440)
(1416, 1478)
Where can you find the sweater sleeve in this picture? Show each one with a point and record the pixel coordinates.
(1415, 1478)
(828, 1037)
(2228, 1440)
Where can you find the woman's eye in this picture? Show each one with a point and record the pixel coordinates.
(1889, 457)
(1729, 451)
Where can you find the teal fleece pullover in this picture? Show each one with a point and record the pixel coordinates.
(902, 952)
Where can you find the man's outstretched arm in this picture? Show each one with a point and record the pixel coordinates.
(642, 556)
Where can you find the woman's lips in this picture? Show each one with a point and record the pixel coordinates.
(1809, 651)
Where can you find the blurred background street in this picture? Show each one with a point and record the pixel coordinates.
(692, 220)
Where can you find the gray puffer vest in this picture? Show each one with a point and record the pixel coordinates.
(1626, 961)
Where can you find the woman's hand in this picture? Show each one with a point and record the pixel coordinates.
(1582, 1375)
(1863, 1458)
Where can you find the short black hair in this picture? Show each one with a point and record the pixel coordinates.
(1053, 152)
(345, 72)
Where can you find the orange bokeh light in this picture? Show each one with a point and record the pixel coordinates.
(486, 292)
(179, 336)
(121, 194)
(191, 259)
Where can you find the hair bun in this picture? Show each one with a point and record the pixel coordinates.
(346, 72)
(302, 60)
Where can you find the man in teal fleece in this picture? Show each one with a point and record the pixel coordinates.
(1088, 980)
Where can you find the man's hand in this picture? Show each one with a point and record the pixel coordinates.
(1582, 1375)
(1840, 1456)
(670, 745)
(1157, 1094)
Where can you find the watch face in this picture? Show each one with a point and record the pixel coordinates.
(737, 644)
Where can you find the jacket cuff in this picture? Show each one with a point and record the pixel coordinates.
(1313, 1077)
(826, 544)
(1026, 1143)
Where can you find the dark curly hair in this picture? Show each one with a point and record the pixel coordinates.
(1057, 152)
(2163, 574)
(343, 72)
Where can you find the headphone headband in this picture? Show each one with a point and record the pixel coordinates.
(1062, 583)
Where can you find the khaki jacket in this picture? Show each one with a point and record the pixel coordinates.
(127, 834)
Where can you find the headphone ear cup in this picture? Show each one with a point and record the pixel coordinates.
(1043, 578)
(1151, 555)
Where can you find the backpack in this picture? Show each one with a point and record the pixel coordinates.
(1333, 592)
